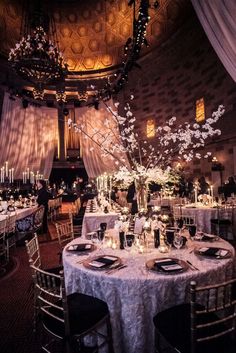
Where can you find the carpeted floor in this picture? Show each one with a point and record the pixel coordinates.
(16, 302)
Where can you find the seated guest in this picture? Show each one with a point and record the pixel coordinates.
(189, 187)
(42, 199)
(203, 186)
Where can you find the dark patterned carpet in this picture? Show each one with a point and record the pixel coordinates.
(16, 302)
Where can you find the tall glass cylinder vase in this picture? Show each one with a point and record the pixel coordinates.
(141, 188)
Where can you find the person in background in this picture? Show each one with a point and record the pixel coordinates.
(42, 199)
(132, 198)
(189, 187)
(230, 187)
(203, 186)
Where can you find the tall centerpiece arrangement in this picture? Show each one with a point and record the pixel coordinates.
(147, 163)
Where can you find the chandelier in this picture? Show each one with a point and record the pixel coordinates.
(37, 60)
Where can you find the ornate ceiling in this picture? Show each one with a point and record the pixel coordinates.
(92, 33)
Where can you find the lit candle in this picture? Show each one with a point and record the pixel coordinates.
(195, 195)
(141, 249)
(114, 246)
(12, 175)
(6, 169)
(212, 192)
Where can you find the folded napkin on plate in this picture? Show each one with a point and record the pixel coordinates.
(167, 265)
(103, 261)
(79, 247)
(213, 252)
(208, 237)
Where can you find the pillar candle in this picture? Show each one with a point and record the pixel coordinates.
(195, 194)
(6, 169)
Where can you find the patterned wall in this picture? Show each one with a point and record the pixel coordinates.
(170, 81)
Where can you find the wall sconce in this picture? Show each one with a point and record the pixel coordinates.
(216, 165)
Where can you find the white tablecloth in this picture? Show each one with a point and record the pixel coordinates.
(92, 221)
(202, 215)
(135, 295)
(20, 213)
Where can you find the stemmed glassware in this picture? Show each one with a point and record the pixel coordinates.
(178, 241)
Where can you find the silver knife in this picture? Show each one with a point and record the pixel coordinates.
(192, 266)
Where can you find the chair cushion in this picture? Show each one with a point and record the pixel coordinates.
(55, 270)
(223, 222)
(84, 312)
(174, 325)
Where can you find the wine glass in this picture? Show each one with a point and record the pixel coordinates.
(178, 241)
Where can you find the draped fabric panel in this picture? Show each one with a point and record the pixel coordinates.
(28, 137)
(218, 20)
(71, 137)
(100, 124)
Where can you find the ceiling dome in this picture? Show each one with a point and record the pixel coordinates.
(92, 33)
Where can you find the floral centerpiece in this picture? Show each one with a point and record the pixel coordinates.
(146, 163)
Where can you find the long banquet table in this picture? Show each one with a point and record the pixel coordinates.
(20, 213)
(134, 295)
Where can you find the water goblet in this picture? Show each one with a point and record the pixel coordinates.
(178, 241)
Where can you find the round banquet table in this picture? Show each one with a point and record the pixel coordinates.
(134, 295)
(203, 216)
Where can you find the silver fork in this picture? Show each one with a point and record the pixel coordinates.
(116, 268)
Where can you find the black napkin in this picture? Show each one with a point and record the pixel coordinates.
(104, 261)
(207, 238)
(210, 252)
(79, 247)
(163, 264)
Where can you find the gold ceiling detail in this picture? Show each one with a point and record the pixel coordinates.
(91, 35)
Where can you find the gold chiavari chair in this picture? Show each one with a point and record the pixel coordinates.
(3, 247)
(187, 219)
(69, 319)
(65, 232)
(206, 324)
(33, 251)
(10, 232)
(223, 224)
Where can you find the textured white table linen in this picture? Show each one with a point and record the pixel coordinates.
(203, 216)
(92, 221)
(134, 295)
(20, 213)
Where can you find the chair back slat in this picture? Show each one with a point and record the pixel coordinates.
(11, 223)
(220, 302)
(65, 231)
(33, 251)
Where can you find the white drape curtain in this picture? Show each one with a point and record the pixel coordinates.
(105, 124)
(218, 18)
(28, 137)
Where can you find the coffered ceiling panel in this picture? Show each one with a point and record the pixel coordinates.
(92, 33)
